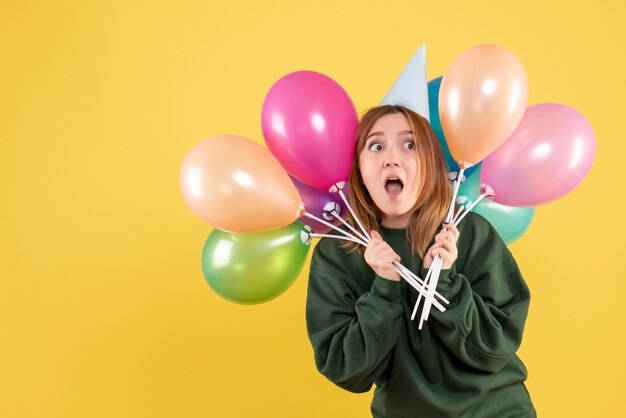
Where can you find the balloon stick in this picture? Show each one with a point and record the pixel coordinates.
(339, 189)
(358, 241)
(469, 208)
(336, 215)
(419, 297)
(399, 267)
(458, 212)
(328, 224)
(434, 278)
(405, 273)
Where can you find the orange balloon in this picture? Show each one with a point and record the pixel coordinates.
(236, 185)
(482, 99)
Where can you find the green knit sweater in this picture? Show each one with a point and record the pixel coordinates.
(461, 364)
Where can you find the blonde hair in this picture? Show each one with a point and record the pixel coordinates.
(433, 197)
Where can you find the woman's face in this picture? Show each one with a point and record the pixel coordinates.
(389, 167)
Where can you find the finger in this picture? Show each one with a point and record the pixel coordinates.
(452, 229)
(437, 244)
(373, 245)
(443, 253)
(387, 254)
(452, 235)
(375, 234)
(449, 237)
(448, 246)
(444, 236)
(380, 250)
(383, 263)
(439, 252)
(376, 245)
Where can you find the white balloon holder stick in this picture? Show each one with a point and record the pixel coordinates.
(363, 238)
(437, 263)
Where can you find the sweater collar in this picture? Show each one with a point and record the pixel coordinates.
(393, 234)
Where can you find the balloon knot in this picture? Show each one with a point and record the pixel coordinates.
(305, 235)
(487, 190)
(337, 186)
(329, 209)
(465, 164)
(301, 210)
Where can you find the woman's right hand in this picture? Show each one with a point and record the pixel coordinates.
(380, 257)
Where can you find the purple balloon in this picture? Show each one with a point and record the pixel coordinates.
(315, 202)
(546, 157)
(309, 124)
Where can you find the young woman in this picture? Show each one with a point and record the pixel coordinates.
(462, 363)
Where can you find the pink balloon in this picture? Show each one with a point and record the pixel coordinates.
(546, 157)
(309, 124)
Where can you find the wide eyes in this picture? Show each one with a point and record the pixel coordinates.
(377, 146)
(410, 144)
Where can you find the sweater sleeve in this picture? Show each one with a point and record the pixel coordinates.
(484, 322)
(352, 334)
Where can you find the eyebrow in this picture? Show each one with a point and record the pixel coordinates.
(381, 134)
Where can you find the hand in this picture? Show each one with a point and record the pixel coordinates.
(444, 246)
(380, 257)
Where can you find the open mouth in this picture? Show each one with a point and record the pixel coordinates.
(394, 186)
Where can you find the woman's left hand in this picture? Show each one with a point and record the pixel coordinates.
(444, 246)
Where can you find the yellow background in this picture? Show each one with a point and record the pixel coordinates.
(104, 311)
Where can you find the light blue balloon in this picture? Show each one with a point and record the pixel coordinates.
(510, 222)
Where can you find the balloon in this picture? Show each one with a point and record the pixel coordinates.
(546, 157)
(315, 202)
(236, 185)
(435, 123)
(510, 222)
(254, 267)
(309, 124)
(410, 89)
(471, 186)
(482, 100)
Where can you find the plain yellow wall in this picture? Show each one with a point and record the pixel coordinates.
(104, 311)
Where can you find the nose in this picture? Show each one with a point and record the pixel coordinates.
(393, 157)
(391, 162)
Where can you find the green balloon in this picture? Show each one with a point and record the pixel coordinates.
(255, 267)
(510, 222)
(471, 186)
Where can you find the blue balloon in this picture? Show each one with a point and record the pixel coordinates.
(435, 122)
